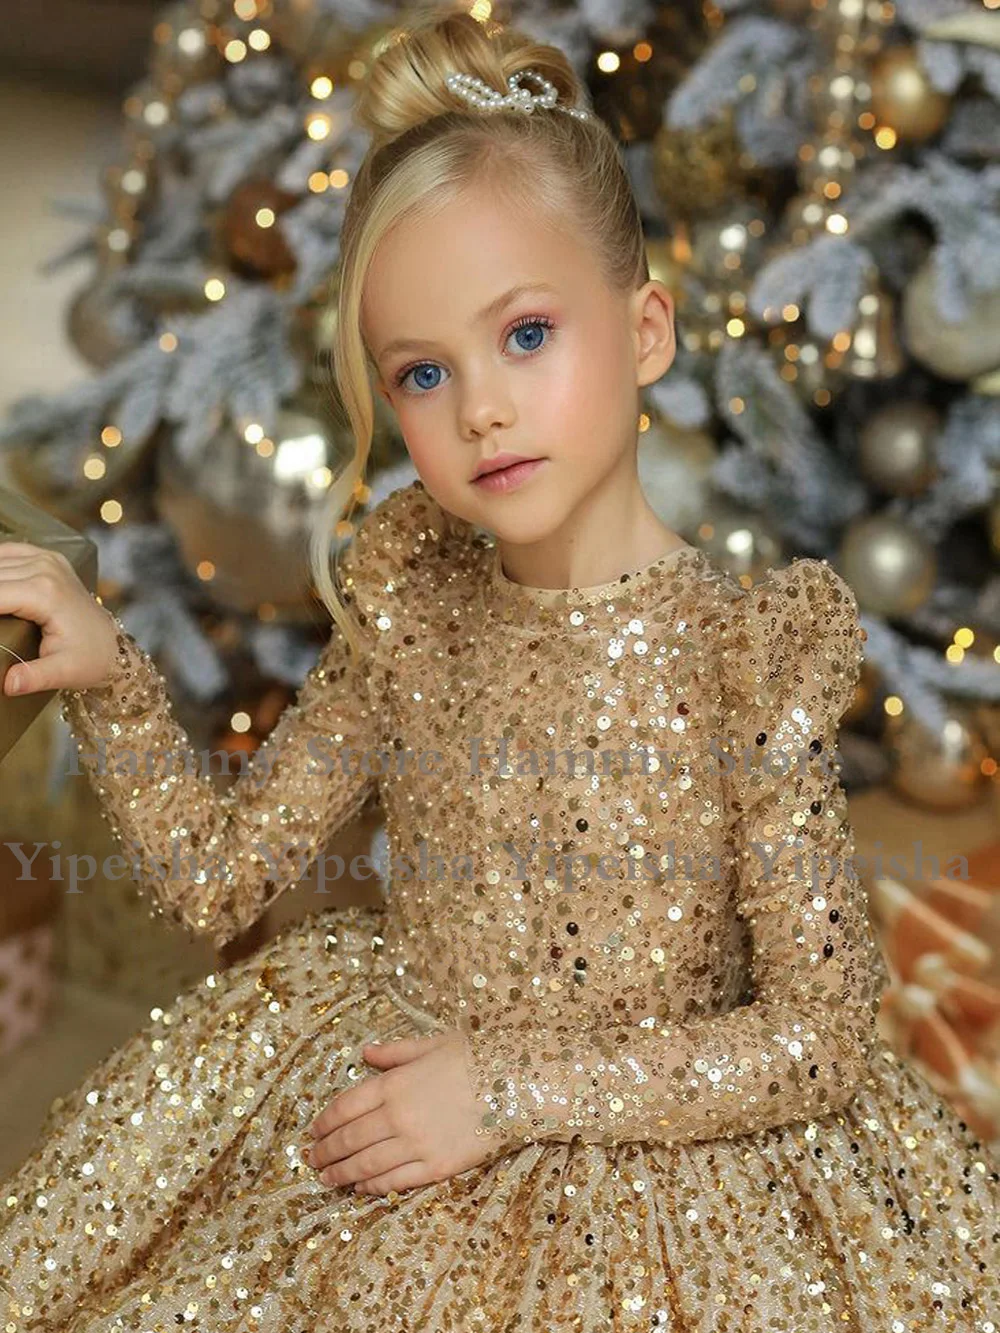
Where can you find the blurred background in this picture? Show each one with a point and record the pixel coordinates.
(820, 188)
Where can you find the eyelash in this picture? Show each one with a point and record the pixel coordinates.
(521, 323)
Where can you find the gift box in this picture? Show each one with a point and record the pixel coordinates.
(20, 640)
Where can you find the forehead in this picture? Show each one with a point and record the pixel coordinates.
(431, 275)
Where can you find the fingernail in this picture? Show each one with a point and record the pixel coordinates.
(15, 682)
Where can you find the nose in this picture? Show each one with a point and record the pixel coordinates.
(485, 406)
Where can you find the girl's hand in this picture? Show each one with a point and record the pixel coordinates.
(414, 1124)
(79, 638)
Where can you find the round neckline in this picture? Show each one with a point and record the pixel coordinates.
(629, 584)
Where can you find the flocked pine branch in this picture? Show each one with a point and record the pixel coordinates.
(825, 277)
(973, 131)
(968, 460)
(762, 67)
(767, 414)
(951, 604)
(922, 677)
(959, 203)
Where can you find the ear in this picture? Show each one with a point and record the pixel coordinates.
(655, 340)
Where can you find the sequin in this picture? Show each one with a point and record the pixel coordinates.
(665, 975)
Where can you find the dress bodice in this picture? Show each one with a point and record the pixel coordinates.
(618, 848)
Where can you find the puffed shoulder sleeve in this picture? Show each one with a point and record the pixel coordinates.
(790, 659)
(213, 861)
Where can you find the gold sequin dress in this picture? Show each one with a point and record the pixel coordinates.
(620, 864)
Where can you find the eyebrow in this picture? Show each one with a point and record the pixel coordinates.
(495, 307)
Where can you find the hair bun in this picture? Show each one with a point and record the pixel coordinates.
(406, 83)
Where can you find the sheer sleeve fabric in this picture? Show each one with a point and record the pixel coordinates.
(791, 656)
(213, 861)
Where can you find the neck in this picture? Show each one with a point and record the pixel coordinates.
(613, 529)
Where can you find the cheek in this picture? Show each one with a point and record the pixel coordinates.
(586, 393)
(428, 443)
(415, 431)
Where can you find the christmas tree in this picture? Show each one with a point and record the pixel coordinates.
(819, 186)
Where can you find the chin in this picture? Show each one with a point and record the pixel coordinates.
(522, 524)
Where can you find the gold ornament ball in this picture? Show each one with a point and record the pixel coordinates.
(242, 512)
(251, 229)
(903, 96)
(699, 171)
(737, 539)
(896, 447)
(938, 771)
(891, 568)
(102, 325)
(956, 351)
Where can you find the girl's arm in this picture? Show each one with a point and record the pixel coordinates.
(791, 661)
(215, 861)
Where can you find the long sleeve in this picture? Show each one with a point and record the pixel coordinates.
(213, 861)
(791, 655)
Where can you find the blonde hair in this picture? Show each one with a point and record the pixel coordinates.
(428, 147)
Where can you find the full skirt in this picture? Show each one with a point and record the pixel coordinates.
(169, 1191)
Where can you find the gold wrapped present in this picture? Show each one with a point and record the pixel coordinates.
(20, 640)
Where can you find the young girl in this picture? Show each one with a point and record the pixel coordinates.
(606, 1058)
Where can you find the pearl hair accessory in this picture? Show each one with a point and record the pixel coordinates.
(479, 94)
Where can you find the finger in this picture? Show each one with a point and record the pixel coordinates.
(350, 1139)
(31, 557)
(371, 1161)
(36, 676)
(390, 1053)
(26, 678)
(367, 1096)
(409, 1176)
(24, 596)
(21, 548)
(15, 562)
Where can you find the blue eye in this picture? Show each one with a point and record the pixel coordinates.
(425, 368)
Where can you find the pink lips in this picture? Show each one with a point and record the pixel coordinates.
(508, 478)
